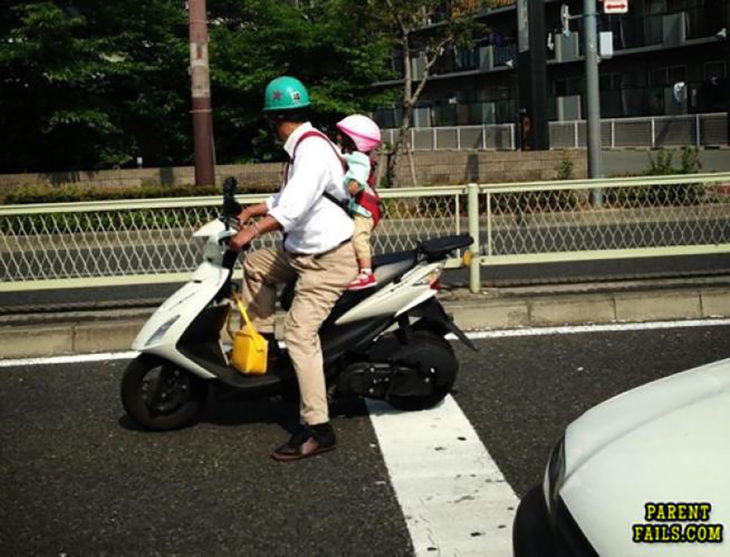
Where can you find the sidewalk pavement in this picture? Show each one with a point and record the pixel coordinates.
(104, 330)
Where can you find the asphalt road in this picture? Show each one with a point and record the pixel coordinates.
(76, 477)
(503, 275)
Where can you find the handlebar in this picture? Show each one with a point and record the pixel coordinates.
(231, 207)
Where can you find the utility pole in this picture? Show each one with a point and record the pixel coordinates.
(593, 101)
(200, 89)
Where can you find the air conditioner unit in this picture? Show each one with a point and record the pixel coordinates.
(418, 66)
(488, 113)
(567, 47)
(422, 117)
(568, 108)
(486, 58)
(674, 29)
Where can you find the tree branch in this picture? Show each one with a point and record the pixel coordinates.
(397, 17)
(437, 51)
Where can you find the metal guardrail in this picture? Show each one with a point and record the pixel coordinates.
(456, 138)
(700, 130)
(72, 245)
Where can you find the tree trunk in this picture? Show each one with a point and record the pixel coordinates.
(412, 164)
(404, 135)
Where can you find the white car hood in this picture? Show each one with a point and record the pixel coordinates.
(667, 441)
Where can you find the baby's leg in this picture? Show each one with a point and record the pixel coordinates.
(361, 242)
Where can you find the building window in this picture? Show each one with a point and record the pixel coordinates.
(715, 69)
(610, 81)
(667, 75)
(569, 86)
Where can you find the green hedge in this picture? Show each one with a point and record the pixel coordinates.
(23, 195)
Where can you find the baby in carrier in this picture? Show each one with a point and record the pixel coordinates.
(358, 138)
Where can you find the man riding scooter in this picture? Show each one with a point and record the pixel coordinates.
(317, 252)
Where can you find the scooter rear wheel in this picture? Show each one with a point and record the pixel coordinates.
(427, 351)
(159, 395)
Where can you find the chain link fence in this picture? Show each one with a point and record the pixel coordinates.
(607, 219)
(146, 241)
(76, 244)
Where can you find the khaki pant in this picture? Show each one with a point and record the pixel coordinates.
(361, 236)
(321, 279)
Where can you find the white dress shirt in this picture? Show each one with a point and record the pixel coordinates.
(312, 223)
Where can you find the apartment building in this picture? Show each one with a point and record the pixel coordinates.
(669, 57)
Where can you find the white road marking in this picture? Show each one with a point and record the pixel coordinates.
(454, 498)
(598, 328)
(474, 335)
(70, 359)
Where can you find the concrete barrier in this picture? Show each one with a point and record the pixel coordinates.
(110, 330)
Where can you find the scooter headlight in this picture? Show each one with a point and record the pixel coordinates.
(161, 330)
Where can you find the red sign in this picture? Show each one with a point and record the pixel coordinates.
(615, 6)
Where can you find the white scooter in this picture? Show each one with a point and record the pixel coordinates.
(385, 342)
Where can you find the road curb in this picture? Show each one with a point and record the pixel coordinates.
(43, 334)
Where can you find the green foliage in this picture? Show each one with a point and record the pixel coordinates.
(331, 46)
(93, 85)
(690, 161)
(564, 168)
(42, 193)
(662, 163)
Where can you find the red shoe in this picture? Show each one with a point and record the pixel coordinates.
(363, 280)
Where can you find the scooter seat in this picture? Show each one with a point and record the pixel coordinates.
(391, 266)
(438, 248)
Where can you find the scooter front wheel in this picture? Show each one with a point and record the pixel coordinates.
(159, 395)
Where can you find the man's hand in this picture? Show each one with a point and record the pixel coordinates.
(243, 217)
(243, 238)
(252, 211)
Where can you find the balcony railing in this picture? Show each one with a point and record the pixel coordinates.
(667, 28)
(699, 98)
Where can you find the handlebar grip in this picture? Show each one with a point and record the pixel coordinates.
(230, 185)
(231, 207)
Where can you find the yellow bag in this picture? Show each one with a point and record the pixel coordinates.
(250, 349)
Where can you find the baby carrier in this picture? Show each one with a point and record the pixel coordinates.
(363, 198)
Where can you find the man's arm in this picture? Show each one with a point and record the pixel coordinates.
(258, 210)
(246, 235)
(310, 174)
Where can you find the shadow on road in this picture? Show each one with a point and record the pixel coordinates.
(232, 410)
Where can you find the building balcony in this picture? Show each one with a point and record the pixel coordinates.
(699, 97)
(453, 61)
(669, 29)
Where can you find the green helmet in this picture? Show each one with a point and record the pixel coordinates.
(285, 93)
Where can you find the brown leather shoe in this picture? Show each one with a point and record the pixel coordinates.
(308, 441)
